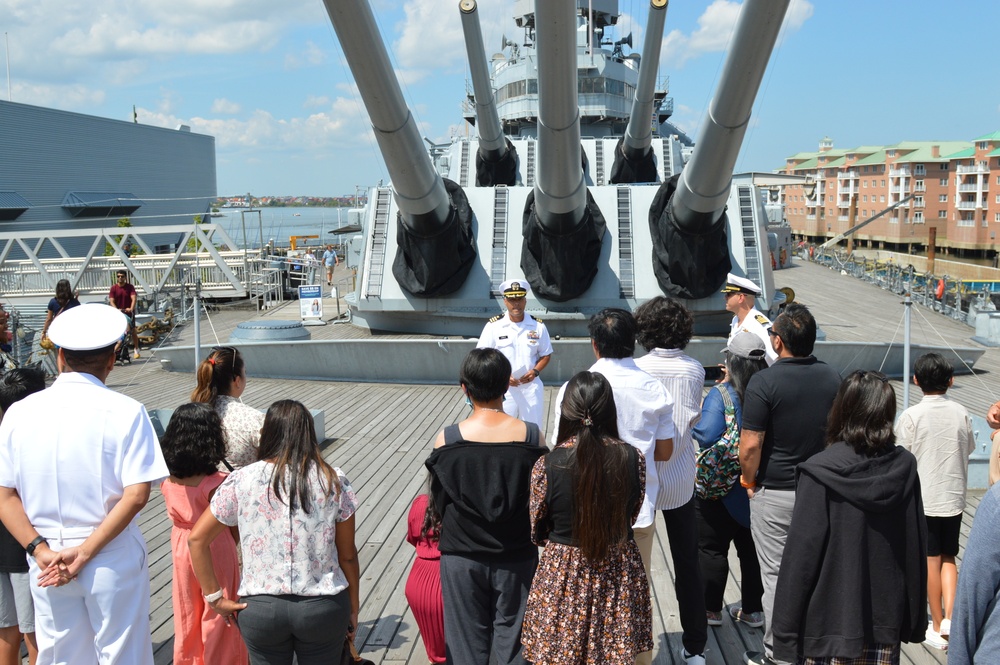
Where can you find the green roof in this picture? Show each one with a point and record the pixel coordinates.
(994, 153)
(921, 151)
(994, 136)
(877, 157)
(962, 154)
(808, 164)
(802, 156)
(833, 163)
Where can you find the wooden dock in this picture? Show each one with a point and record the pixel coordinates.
(380, 435)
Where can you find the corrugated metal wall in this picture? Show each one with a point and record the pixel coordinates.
(46, 153)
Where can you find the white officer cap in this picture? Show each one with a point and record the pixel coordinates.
(746, 345)
(88, 327)
(515, 288)
(736, 284)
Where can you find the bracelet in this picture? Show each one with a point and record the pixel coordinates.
(30, 549)
(213, 597)
(747, 485)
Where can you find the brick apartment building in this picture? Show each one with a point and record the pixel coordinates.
(950, 182)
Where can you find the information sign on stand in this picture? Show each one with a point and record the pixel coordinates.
(311, 305)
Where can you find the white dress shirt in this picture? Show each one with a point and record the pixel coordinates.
(645, 415)
(684, 379)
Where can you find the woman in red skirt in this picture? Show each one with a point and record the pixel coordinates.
(423, 586)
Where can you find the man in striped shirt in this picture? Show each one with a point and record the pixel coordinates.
(664, 328)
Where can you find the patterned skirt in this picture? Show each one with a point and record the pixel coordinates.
(873, 654)
(579, 612)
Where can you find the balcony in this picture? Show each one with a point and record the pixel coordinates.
(974, 168)
(897, 189)
(812, 216)
(903, 172)
(969, 205)
(970, 188)
(847, 175)
(843, 218)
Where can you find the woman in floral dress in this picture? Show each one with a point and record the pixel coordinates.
(589, 601)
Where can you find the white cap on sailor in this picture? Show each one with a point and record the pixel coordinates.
(88, 327)
(736, 284)
(515, 288)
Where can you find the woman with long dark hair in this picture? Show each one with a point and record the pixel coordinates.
(222, 378)
(65, 299)
(295, 513)
(722, 522)
(853, 579)
(480, 485)
(589, 601)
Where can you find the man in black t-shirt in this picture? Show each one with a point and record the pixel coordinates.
(785, 408)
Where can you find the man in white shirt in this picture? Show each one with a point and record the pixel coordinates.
(741, 299)
(524, 341)
(645, 414)
(665, 327)
(76, 464)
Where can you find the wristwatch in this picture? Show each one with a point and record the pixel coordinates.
(30, 549)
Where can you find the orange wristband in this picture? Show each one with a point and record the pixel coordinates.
(747, 485)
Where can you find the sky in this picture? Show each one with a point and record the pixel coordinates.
(268, 79)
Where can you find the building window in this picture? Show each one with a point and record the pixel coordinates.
(942, 214)
(944, 166)
(918, 186)
(918, 201)
(881, 199)
(996, 217)
(982, 145)
(918, 217)
(919, 169)
(890, 153)
(883, 182)
(943, 182)
(864, 199)
(864, 183)
(943, 198)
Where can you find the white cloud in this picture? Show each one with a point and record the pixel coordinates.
(224, 106)
(311, 55)
(715, 28)
(313, 101)
(69, 97)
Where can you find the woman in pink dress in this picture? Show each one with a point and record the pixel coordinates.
(423, 586)
(193, 446)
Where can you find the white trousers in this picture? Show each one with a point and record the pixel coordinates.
(101, 617)
(525, 402)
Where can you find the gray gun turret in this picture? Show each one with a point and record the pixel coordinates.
(634, 155)
(687, 218)
(496, 160)
(563, 227)
(435, 248)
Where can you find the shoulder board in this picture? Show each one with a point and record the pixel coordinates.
(537, 319)
(762, 320)
(496, 318)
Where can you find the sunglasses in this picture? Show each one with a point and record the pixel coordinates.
(863, 373)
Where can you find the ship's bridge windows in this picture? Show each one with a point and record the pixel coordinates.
(517, 89)
(101, 204)
(599, 84)
(12, 206)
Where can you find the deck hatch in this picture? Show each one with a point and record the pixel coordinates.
(101, 204)
(12, 206)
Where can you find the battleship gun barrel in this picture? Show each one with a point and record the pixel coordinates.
(492, 143)
(704, 183)
(560, 190)
(420, 192)
(639, 133)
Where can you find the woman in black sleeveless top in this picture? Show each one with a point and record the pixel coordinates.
(589, 602)
(480, 485)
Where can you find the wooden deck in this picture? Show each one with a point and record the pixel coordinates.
(380, 435)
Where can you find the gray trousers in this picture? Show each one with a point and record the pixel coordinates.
(311, 629)
(484, 600)
(770, 517)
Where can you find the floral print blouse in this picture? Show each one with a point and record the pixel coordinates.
(242, 424)
(285, 552)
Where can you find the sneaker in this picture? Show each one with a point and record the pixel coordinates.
(692, 659)
(752, 619)
(137, 356)
(934, 640)
(757, 658)
(945, 630)
(713, 618)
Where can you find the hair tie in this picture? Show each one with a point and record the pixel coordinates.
(211, 359)
(587, 421)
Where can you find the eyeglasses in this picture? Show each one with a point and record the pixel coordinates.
(230, 349)
(773, 333)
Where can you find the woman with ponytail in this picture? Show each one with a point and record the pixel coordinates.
(222, 378)
(589, 601)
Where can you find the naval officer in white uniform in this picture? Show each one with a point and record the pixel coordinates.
(524, 341)
(76, 464)
(741, 297)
